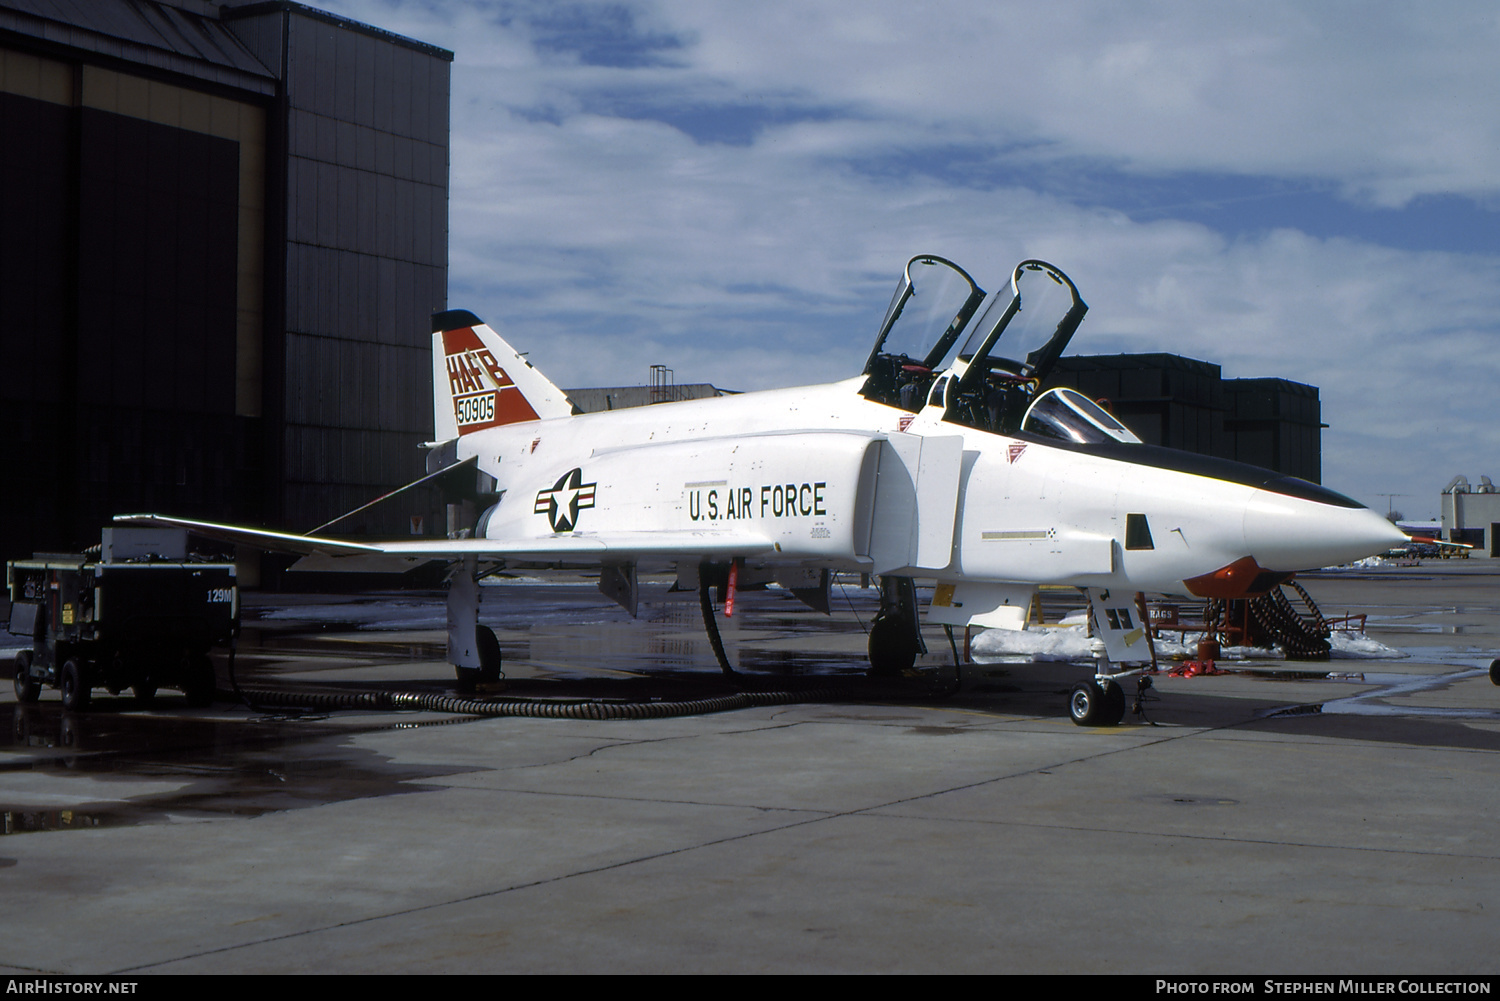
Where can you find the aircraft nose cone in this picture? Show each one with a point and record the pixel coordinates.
(1290, 533)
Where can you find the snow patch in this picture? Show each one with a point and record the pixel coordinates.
(1070, 642)
(1358, 646)
(1061, 643)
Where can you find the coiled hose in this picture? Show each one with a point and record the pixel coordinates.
(1300, 637)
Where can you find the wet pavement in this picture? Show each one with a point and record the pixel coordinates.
(1277, 818)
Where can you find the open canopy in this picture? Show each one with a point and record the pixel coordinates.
(981, 356)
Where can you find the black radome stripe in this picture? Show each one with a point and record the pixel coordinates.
(1209, 466)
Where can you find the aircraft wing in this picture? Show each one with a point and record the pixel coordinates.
(321, 553)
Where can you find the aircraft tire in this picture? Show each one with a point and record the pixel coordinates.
(199, 680)
(892, 647)
(74, 687)
(491, 662)
(467, 682)
(1086, 704)
(27, 690)
(1495, 672)
(1114, 704)
(144, 691)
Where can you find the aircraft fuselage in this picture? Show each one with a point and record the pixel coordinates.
(822, 476)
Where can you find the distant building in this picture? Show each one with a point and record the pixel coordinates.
(596, 399)
(1471, 515)
(663, 389)
(1185, 403)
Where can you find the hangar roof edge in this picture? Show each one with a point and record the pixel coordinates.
(164, 35)
(229, 13)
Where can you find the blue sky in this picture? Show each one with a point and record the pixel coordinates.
(1302, 190)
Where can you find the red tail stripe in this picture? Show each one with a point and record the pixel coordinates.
(462, 339)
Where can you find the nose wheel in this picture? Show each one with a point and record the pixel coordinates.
(1093, 704)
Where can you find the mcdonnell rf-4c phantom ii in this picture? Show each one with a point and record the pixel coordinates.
(943, 460)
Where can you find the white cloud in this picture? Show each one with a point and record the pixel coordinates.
(604, 243)
(1389, 100)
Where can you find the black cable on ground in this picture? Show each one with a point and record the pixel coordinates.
(264, 709)
(539, 708)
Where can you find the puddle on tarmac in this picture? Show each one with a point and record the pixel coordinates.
(565, 630)
(68, 771)
(1397, 685)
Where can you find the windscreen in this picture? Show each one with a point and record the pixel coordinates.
(1071, 416)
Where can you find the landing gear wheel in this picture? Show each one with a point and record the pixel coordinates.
(199, 683)
(1495, 672)
(893, 646)
(144, 691)
(29, 690)
(1114, 704)
(468, 679)
(75, 688)
(1086, 704)
(490, 660)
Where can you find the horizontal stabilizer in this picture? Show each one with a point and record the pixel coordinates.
(259, 538)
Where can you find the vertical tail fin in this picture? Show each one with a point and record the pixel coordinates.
(479, 381)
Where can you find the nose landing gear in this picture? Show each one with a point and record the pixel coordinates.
(1094, 704)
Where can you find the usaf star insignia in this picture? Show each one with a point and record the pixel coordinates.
(567, 497)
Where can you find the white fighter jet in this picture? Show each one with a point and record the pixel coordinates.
(943, 460)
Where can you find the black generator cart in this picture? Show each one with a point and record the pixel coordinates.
(121, 619)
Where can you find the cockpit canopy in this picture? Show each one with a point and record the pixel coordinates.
(981, 356)
(1069, 415)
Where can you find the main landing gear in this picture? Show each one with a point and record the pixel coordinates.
(473, 649)
(895, 637)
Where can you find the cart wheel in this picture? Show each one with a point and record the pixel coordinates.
(75, 688)
(28, 689)
(199, 684)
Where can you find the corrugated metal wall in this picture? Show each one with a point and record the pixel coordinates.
(367, 245)
(217, 264)
(122, 300)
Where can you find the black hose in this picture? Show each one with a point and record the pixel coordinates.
(710, 623)
(536, 708)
